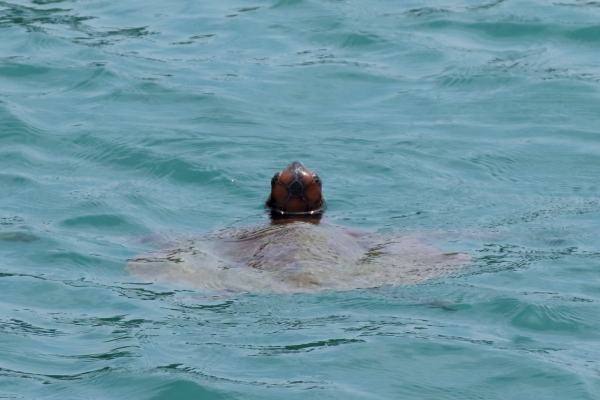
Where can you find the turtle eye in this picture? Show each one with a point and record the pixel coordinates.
(274, 179)
(317, 179)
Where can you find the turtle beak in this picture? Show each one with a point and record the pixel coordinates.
(297, 167)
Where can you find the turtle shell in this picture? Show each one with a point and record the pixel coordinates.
(296, 191)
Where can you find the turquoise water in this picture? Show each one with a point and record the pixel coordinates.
(476, 121)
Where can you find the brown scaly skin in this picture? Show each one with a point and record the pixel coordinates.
(296, 194)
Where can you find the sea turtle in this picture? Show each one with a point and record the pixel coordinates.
(296, 193)
(296, 251)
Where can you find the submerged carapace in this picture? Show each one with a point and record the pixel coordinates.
(296, 193)
(295, 252)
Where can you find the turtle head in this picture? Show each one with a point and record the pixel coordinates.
(296, 193)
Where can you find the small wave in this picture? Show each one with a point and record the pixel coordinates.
(302, 347)
(18, 327)
(36, 19)
(123, 154)
(287, 3)
(552, 318)
(588, 34)
(99, 221)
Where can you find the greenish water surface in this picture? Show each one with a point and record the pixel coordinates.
(476, 121)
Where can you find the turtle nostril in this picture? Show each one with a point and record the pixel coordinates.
(275, 179)
(317, 179)
(296, 189)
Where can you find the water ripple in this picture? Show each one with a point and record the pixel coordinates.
(129, 126)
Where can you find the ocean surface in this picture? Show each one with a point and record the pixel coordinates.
(474, 122)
